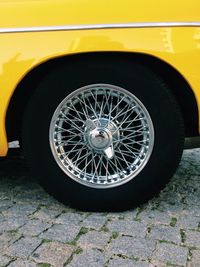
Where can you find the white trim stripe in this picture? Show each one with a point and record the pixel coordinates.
(99, 26)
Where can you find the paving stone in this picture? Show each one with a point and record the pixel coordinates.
(165, 233)
(61, 232)
(154, 217)
(169, 253)
(192, 238)
(20, 210)
(127, 214)
(70, 218)
(188, 221)
(27, 210)
(132, 247)
(194, 210)
(127, 263)
(4, 260)
(33, 228)
(157, 263)
(89, 258)
(94, 239)
(23, 247)
(46, 215)
(5, 204)
(11, 223)
(54, 253)
(22, 263)
(94, 221)
(54, 204)
(126, 227)
(171, 209)
(195, 261)
(8, 238)
(192, 203)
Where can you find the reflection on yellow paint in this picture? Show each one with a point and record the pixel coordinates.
(18, 67)
(197, 37)
(90, 44)
(167, 39)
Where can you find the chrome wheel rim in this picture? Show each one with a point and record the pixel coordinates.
(101, 136)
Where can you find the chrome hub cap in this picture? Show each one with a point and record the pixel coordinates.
(100, 139)
(101, 136)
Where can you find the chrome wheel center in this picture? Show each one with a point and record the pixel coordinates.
(100, 139)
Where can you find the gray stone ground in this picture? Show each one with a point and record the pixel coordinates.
(36, 230)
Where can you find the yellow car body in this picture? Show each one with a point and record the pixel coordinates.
(101, 94)
(32, 32)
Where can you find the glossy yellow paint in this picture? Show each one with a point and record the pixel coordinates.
(20, 13)
(21, 52)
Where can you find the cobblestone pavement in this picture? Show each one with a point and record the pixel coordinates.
(36, 230)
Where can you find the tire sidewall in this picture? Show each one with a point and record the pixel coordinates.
(148, 88)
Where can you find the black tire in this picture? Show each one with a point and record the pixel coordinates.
(141, 82)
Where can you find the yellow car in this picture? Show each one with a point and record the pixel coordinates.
(101, 94)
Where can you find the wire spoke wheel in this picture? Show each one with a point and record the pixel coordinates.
(110, 135)
(101, 136)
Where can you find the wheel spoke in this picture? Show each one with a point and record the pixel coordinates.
(106, 171)
(70, 130)
(82, 158)
(131, 147)
(107, 97)
(117, 106)
(112, 166)
(78, 112)
(64, 117)
(124, 153)
(123, 121)
(95, 100)
(121, 112)
(75, 146)
(118, 162)
(75, 127)
(135, 154)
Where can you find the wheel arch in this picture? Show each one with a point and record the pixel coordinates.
(176, 82)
